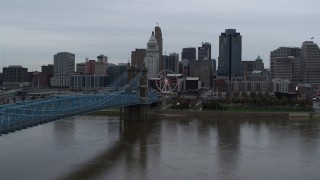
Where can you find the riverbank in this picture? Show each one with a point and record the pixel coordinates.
(226, 114)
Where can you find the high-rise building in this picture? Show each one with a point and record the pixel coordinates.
(171, 62)
(115, 71)
(80, 68)
(46, 74)
(88, 82)
(185, 67)
(204, 52)
(13, 76)
(311, 58)
(137, 58)
(283, 68)
(63, 68)
(258, 64)
(102, 59)
(229, 62)
(252, 67)
(42, 79)
(188, 53)
(158, 35)
(90, 67)
(290, 68)
(282, 52)
(202, 69)
(152, 57)
(102, 65)
(47, 69)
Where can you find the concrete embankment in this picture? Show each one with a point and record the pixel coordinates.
(220, 113)
(228, 114)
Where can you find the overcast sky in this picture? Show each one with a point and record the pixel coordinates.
(32, 31)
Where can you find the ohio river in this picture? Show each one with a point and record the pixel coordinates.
(101, 147)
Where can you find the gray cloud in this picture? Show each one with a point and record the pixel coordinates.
(31, 32)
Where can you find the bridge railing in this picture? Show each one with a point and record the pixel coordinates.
(28, 113)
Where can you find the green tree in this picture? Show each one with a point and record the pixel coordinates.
(260, 94)
(253, 94)
(244, 94)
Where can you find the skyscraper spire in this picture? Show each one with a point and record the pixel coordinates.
(158, 36)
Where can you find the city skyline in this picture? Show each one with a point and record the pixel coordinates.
(32, 32)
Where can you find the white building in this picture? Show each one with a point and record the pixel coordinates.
(281, 85)
(63, 68)
(152, 57)
(101, 67)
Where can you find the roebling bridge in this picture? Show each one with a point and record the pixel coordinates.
(130, 92)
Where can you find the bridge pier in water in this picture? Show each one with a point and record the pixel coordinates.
(137, 112)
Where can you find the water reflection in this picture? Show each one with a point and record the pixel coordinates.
(63, 131)
(129, 149)
(309, 140)
(228, 146)
(97, 147)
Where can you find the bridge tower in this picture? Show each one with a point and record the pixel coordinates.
(140, 111)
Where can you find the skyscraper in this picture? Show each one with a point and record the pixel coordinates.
(152, 57)
(137, 58)
(311, 58)
(188, 53)
(282, 52)
(171, 62)
(13, 76)
(90, 67)
(202, 69)
(158, 35)
(63, 68)
(204, 52)
(101, 67)
(230, 47)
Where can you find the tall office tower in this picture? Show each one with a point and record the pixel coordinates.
(202, 69)
(230, 47)
(13, 76)
(188, 53)
(290, 68)
(102, 59)
(252, 67)
(258, 64)
(152, 57)
(47, 69)
(80, 68)
(101, 67)
(115, 71)
(46, 74)
(247, 67)
(282, 52)
(137, 58)
(63, 68)
(90, 66)
(311, 58)
(158, 35)
(283, 68)
(204, 52)
(171, 62)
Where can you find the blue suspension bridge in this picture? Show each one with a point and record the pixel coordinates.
(129, 90)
